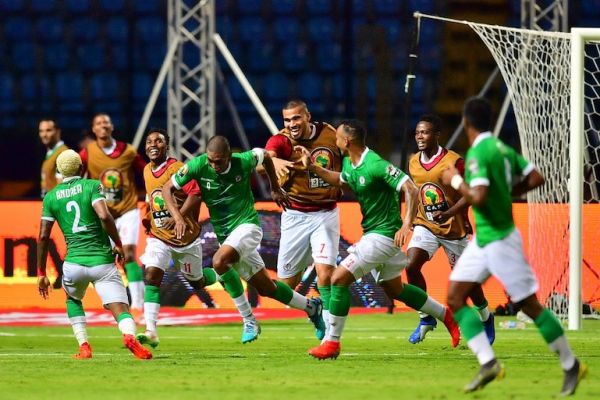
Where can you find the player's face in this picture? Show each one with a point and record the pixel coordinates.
(156, 147)
(297, 121)
(341, 139)
(425, 136)
(102, 126)
(49, 134)
(218, 161)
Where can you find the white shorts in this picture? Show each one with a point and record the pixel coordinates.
(504, 259)
(377, 254)
(307, 237)
(188, 259)
(106, 279)
(245, 239)
(128, 226)
(423, 239)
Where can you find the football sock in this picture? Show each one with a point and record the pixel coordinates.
(554, 335)
(472, 329)
(339, 306)
(151, 306)
(418, 299)
(243, 306)
(483, 311)
(232, 283)
(126, 323)
(77, 319)
(325, 292)
(210, 276)
(135, 279)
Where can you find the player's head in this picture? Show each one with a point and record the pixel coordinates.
(102, 126)
(296, 118)
(427, 131)
(349, 133)
(477, 114)
(218, 153)
(49, 132)
(157, 145)
(68, 163)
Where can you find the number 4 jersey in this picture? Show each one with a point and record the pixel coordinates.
(71, 205)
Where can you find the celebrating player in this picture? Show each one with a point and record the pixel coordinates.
(376, 184)
(497, 247)
(441, 219)
(224, 179)
(113, 163)
(79, 207)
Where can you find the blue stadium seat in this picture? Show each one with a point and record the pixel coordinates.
(153, 56)
(112, 6)
(84, 30)
(329, 57)
(321, 29)
(319, 7)
(117, 29)
(590, 8)
(295, 57)
(34, 88)
(56, 56)
(24, 56)
(386, 7)
(7, 6)
(42, 6)
(275, 87)
(338, 87)
(245, 7)
(69, 91)
(49, 30)
(120, 57)
(284, 7)
(358, 7)
(17, 29)
(260, 57)
(394, 31)
(7, 96)
(430, 33)
(424, 6)
(148, 7)
(151, 30)
(105, 87)
(310, 87)
(252, 29)
(430, 59)
(142, 87)
(286, 29)
(224, 27)
(78, 6)
(91, 57)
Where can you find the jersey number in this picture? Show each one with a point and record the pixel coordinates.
(72, 205)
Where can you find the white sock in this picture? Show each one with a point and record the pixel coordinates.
(336, 327)
(127, 326)
(136, 289)
(561, 347)
(433, 308)
(326, 316)
(300, 302)
(484, 313)
(423, 315)
(151, 311)
(79, 329)
(480, 345)
(243, 306)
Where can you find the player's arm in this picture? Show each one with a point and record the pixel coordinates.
(411, 193)
(168, 191)
(475, 195)
(277, 193)
(531, 180)
(42, 256)
(279, 148)
(459, 207)
(108, 223)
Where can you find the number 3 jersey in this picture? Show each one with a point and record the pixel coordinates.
(435, 196)
(155, 179)
(71, 205)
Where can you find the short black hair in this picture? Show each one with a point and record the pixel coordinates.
(162, 131)
(356, 129)
(49, 120)
(434, 120)
(478, 111)
(218, 144)
(295, 103)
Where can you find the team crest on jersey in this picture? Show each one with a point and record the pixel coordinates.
(238, 178)
(181, 172)
(392, 171)
(433, 199)
(158, 208)
(112, 184)
(362, 180)
(323, 157)
(473, 167)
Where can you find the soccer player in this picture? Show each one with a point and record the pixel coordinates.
(496, 249)
(161, 244)
(377, 184)
(49, 132)
(441, 219)
(224, 179)
(310, 226)
(113, 163)
(79, 207)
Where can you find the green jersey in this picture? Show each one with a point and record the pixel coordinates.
(491, 163)
(227, 195)
(70, 204)
(376, 184)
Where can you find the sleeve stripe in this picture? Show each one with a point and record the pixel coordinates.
(175, 183)
(97, 200)
(479, 182)
(48, 219)
(342, 178)
(528, 169)
(399, 185)
(259, 154)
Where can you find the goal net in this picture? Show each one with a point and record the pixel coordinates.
(536, 67)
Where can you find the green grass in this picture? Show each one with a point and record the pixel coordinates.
(209, 362)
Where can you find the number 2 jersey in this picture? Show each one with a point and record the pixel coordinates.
(154, 180)
(70, 204)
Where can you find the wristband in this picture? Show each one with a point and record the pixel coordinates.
(456, 181)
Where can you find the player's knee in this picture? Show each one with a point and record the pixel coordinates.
(219, 263)
(153, 276)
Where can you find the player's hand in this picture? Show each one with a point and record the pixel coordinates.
(44, 287)
(282, 167)
(441, 216)
(168, 223)
(400, 236)
(180, 228)
(448, 173)
(304, 156)
(119, 255)
(281, 198)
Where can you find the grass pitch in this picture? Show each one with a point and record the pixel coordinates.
(209, 362)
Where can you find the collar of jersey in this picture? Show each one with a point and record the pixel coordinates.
(482, 136)
(227, 170)
(71, 178)
(422, 159)
(53, 149)
(362, 158)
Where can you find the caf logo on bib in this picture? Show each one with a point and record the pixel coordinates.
(323, 157)
(112, 182)
(158, 208)
(433, 199)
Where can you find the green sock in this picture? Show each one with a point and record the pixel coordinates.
(151, 294)
(325, 292)
(232, 283)
(122, 316)
(210, 276)
(412, 296)
(481, 306)
(133, 272)
(549, 326)
(469, 322)
(74, 308)
(339, 303)
(283, 293)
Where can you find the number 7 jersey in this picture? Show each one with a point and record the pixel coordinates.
(71, 205)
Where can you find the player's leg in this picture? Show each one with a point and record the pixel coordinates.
(109, 286)
(128, 226)
(75, 283)
(294, 249)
